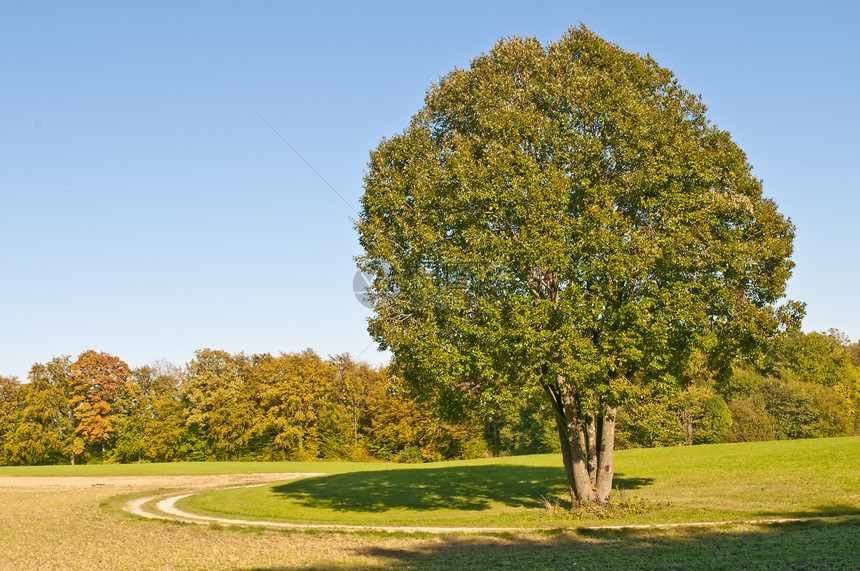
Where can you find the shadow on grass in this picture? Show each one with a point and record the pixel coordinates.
(824, 510)
(810, 545)
(459, 488)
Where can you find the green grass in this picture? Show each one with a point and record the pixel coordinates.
(685, 484)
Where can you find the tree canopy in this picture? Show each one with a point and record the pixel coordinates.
(565, 219)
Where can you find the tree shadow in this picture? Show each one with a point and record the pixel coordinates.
(461, 488)
(832, 509)
(807, 545)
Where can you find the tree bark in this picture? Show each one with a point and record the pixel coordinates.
(572, 438)
(354, 425)
(572, 448)
(579, 455)
(565, 456)
(688, 427)
(592, 435)
(606, 464)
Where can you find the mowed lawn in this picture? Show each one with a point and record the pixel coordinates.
(785, 479)
(83, 529)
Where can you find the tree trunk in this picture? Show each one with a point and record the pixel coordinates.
(355, 425)
(592, 435)
(573, 451)
(606, 464)
(579, 452)
(688, 427)
(587, 446)
(566, 459)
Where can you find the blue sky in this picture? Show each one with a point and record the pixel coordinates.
(148, 211)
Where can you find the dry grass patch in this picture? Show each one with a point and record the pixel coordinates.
(209, 481)
(68, 530)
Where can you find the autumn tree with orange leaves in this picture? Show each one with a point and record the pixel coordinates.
(98, 389)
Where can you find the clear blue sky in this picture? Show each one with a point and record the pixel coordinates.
(147, 210)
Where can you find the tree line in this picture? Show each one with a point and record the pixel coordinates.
(806, 386)
(220, 406)
(299, 406)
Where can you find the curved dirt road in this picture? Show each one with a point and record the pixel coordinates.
(163, 506)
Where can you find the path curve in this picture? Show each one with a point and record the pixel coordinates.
(164, 507)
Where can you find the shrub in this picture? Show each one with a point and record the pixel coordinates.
(750, 422)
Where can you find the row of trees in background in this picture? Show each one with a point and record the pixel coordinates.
(220, 406)
(224, 406)
(807, 386)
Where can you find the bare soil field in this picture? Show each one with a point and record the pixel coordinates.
(131, 483)
(59, 523)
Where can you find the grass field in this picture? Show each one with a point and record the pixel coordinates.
(83, 529)
(783, 479)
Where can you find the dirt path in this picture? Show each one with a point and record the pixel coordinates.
(163, 506)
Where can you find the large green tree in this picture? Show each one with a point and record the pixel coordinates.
(44, 432)
(293, 390)
(564, 218)
(218, 412)
(154, 426)
(10, 405)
